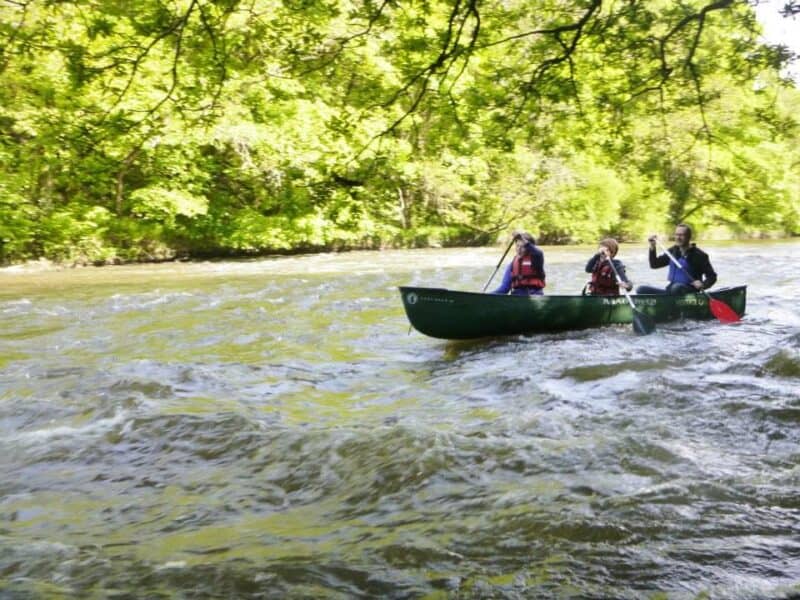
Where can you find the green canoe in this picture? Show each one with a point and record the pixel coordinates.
(453, 315)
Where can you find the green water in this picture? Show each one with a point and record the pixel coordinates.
(269, 428)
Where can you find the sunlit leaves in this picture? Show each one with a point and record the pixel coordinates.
(277, 125)
(164, 204)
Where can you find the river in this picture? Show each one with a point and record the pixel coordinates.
(270, 429)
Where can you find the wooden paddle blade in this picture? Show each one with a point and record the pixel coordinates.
(722, 311)
(642, 324)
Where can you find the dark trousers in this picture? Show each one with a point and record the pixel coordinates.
(527, 291)
(674, 289)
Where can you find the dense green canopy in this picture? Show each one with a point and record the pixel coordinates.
(156, 128)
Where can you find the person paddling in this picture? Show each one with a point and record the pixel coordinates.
(696, 273)
(524, 275)
(604, 281)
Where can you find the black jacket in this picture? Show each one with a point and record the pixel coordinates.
(699, 264)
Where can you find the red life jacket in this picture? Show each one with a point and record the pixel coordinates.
(524, 274)
(603, 282)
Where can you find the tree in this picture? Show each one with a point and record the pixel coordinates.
(151, 129)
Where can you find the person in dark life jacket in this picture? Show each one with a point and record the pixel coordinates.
(697, 273)
(604, 282)
(524, 276)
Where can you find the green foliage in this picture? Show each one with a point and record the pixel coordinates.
(18, 226)
(152, 130)
(584, 205)
(75, 235)
(162, 204)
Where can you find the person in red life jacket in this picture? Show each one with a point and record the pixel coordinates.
(604, 282)
(697, 273)
(524, 276)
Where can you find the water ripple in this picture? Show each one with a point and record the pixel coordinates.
(269, 428)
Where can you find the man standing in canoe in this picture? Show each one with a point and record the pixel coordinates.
(695, 273)
(524, 275)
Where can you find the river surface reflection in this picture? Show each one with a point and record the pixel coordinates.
(269, 428)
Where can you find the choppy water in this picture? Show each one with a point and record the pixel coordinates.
(269, 429)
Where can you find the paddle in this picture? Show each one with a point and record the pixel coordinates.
(642, 324)
(502, 258)
(719, 309)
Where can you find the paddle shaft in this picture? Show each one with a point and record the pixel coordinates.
(679, 265)
(642, 324)
(621, 284)
(502, 258)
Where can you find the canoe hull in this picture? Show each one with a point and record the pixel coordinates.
(454, 315)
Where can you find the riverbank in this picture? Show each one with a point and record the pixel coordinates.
(43, 264)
